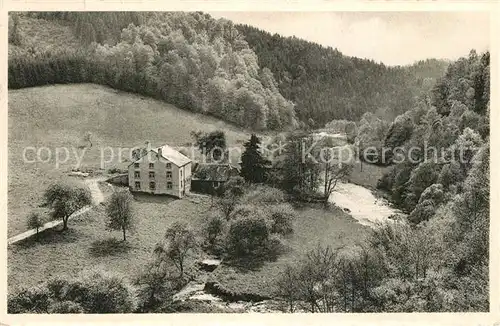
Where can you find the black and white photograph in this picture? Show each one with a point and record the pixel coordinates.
(165, 162)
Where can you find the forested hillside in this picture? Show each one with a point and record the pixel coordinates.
(187, 59)
(325, 84)
(445, 185)
(238, 73)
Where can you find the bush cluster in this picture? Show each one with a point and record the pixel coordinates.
(255, 227)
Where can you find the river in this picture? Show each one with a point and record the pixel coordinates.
(362, 204)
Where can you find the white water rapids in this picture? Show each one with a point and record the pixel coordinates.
(362, 204)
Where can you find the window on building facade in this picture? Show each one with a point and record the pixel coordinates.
(137, 174)
(169, 185)
(151, 175)
(169, 174)
(136, 165)
(152, 185)
(151, 165)
(137, 185)
(169, 165)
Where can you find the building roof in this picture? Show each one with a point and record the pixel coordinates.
(168, 153)
(173, 155)
(212, 172)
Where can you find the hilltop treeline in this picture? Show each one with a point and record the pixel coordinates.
(188, 59)
(325, 84)
(234, 72)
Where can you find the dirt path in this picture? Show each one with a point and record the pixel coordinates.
(97, 195)
(97, 198)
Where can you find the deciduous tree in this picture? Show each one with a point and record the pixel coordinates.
(35, 221)
(65, 199)
(120, 214)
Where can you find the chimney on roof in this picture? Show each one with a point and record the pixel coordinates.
(148, 145)
(159, 152)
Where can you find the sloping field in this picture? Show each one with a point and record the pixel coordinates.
(88, 243)
(45, 119)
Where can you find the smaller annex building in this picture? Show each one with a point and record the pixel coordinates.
(207, 177)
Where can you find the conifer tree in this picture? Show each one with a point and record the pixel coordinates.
(253, 164)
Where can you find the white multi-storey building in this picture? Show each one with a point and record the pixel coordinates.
(161, 171)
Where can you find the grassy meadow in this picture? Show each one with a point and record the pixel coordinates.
(61, 115)
(87, 243)
(367, 175)
(312, 227)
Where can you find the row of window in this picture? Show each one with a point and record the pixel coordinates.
(137, 174)
(152, 185)
(152, 165)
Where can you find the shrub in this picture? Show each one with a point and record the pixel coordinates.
(250, 210)
(282, 218)
(274, 246)
(156, 285)
(423, 211)
(102, 292)
(116, 170)
(265, 195)
(58, 287)
(92, 291)
(247, 237)
(450, 174)
(434, 192)
(387, 180)
(214, 230)
(66, 307)
(32, 300)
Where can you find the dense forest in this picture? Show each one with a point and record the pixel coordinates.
(238, 73)
(445, 185)
(325, 84)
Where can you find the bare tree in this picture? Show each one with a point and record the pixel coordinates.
(333, 174)
(181, 243)
(335, 169)
(287, 287)
(88, 138)
(313, 282)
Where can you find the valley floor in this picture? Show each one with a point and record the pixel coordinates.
(59, 117)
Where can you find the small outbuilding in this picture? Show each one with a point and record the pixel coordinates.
(207, 177)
